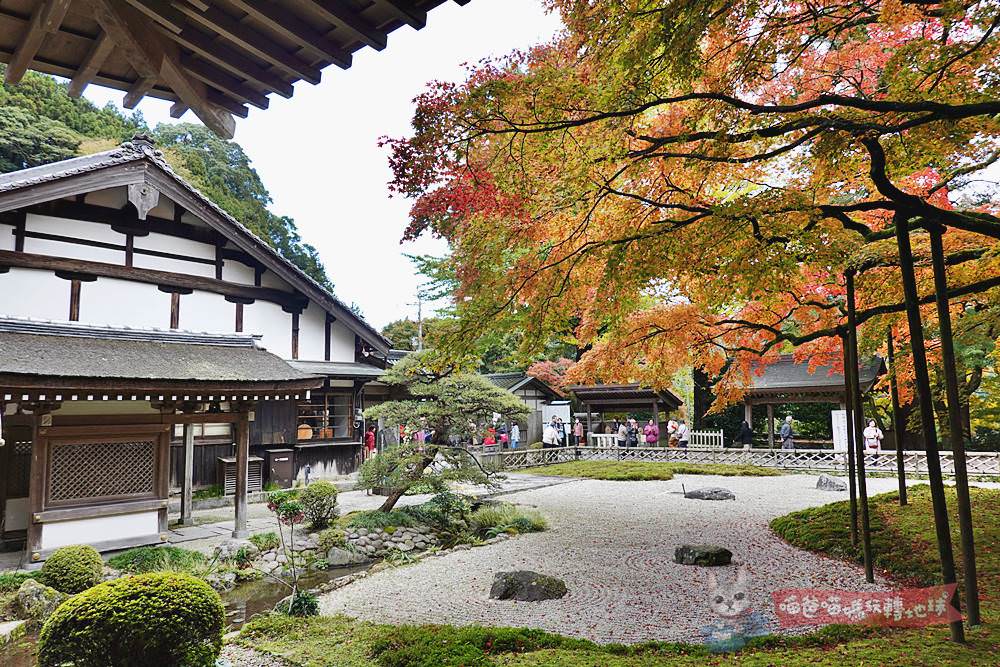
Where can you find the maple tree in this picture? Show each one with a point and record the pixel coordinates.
(692, 182)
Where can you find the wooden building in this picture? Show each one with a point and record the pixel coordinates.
(624, 398)
(144, 334)
(537, 395)
(215, 58)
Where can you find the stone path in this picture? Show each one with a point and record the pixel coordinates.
(613, 544)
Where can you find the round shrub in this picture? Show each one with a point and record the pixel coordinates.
(167, 619)
(319, 500)
(73, 569)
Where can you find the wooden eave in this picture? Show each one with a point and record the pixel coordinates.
(213, 57)
(125, 388)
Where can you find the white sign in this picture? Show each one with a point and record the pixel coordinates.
(839, 418)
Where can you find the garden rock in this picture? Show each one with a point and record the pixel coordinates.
(526, 586)
(711, 493)
(337, 557)
(702, 554)
(12, 631)
(830, 483)
(36, 601)
(228, 549)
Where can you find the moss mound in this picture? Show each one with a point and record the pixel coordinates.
(166, 619)
(73, 569)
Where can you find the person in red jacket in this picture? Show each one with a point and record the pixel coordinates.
(369, 441)
(652, 433)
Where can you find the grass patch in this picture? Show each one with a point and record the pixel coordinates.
(11, 581)
(265, 541)
(159, 559)
(642, 471)
(491, 520)
(214, 491)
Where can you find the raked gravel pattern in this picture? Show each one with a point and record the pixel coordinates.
(613, 544)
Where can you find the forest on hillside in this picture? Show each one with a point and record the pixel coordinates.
(41, 123)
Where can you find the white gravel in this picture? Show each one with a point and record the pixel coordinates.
(613, 544)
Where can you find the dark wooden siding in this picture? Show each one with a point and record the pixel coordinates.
(274, 423)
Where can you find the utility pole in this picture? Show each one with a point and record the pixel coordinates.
(419, 303)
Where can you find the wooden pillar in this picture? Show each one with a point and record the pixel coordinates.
(242, 472)
(175, 310)
(590, 424)
(748, 412)
(295, 335)
(239, 317)
(74, 300)
(770, 425)
(187, 482)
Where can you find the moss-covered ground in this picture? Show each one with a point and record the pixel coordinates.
(642, 471)
(904, 546)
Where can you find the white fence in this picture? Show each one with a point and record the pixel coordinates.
(697, 439)
(979, 464)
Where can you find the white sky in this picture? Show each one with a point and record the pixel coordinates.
(317, 152)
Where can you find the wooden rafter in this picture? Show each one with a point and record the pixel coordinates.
(340, 15)
(406, 12)
(45, 20)
(142, 85)
(98, 53)
(150, 56)
(224, 82)
(281, 20)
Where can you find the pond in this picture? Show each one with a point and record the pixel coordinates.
(242, 603)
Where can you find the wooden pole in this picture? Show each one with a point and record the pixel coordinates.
(926, 405)
(898, 423)
(956, 436)
(188, 481)
(242, 472)
(859, 419)
(590, 426)
(849, 411)
(770, 425)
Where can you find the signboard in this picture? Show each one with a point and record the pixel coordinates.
(839, 418)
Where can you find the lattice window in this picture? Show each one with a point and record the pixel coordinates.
(105, 470)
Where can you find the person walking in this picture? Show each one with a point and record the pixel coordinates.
(683, 434)
(787, 434)
(745, 437)
(632, 434)
(652, 433)
(369, 442)
(515, 435)
(549, 436)
(873, 437)
(622, 435)
(578, 433)
(672, 432)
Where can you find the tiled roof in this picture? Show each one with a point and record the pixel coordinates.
(787, 374)
(142, 149)
(338, 369)
(596, 393)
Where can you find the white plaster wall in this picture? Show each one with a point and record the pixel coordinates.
(16, 514)
(34, 293)
(6, 237)
(341, 343)
(112, 197)
(164, 208)
(269, 279)
(178, 246)
(235, 272)
(81, 229)
(87, 531)
(124, 303)
(206, 311)
(312, 333)
(272, 323)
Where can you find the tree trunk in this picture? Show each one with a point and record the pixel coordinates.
(898, 420)
(849, 408)
(398, 493)
(926, 403)
(859, 420)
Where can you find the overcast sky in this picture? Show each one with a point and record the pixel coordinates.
(318, 155)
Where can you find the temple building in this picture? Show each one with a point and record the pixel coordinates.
(150, 342)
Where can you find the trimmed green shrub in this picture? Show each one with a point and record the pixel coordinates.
(159, 559)
(168, 619)
(304, 604)
(265, 541)
(506, 517)
(330, 538)
(73, 569)
(319, 500)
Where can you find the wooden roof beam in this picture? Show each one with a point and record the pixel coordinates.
(406, 12)
(224, 82)
(281, 20)
(91, 65)
(138, 90)
(336, 12)
(152, 56)
(45, 20)
(250, 41)
(178, 109)
(216, 52)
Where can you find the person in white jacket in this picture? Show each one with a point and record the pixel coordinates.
(873, 436)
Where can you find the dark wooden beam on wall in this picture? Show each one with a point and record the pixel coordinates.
(129, 249)
(295, 335)
(175, 310)
(328, 336)
(45, 20)
(239, 318)
(176, 281)
(74, 301)
(99, 51)
(19, 220)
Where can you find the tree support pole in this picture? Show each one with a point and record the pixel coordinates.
(926, 404)
(859, 418)
(898, 424)
(849, 410)
(955, 435)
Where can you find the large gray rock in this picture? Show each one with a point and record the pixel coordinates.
(227, 550)
(829, 483)
(526, 586)
(711, 493)
(702, 554)
(337, 557)
(36, 601)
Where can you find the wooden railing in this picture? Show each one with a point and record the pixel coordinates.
(979, 464)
